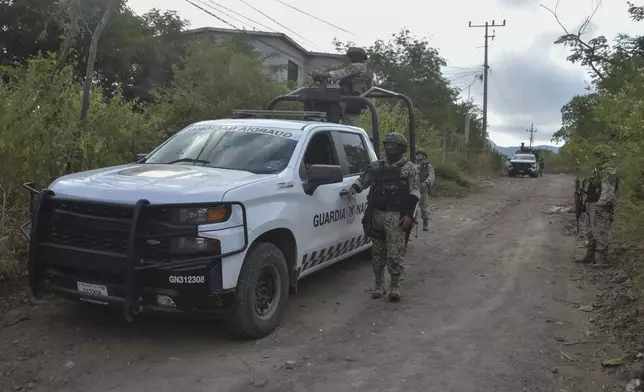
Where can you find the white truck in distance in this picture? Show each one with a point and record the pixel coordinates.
(223, 218)
(524, 164)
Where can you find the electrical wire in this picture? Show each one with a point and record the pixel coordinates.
(315, 17)
(222, 12)
(241, 31)
(240, 15)
(276, 22)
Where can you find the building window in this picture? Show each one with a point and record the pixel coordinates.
(293, 71)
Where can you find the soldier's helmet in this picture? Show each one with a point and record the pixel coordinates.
(356, 54)
(395, 138)
(422, 152)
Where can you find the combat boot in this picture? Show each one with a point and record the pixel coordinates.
(379, 289)
(589, 257)
(394, 288)
(425, 225)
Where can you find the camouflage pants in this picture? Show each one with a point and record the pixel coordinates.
(598, 223)
(424, 202)
(388, 252)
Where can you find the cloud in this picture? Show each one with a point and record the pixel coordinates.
(530, 87)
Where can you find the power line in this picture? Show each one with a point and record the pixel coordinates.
(276, 22)
(213, 15)
(224, 13)
(314, 17)
(532, 132)
(240, 15)
(241, 31)
(487, 25)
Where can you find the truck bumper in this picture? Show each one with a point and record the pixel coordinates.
(101, 253)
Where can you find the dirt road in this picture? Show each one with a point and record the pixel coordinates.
(490, 304)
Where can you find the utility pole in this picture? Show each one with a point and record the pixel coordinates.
(487, 25)
(532, 132)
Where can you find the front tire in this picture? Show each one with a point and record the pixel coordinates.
(262, 292)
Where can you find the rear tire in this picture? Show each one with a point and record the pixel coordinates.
(262, 292)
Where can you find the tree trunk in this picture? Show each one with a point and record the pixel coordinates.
(70, 37)
(91, 57)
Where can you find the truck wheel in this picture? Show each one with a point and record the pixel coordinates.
(262, 292)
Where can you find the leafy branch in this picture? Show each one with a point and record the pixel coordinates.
(591, 53)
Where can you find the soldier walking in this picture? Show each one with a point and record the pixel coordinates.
(354, 79)
(394, 193)
(427, 176)
(600, 207)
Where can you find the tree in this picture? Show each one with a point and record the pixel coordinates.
(110, 7)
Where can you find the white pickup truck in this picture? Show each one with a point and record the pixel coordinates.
(524, 164)
(223, 218)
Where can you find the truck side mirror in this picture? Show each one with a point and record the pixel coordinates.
(322, 175)
(139, 158)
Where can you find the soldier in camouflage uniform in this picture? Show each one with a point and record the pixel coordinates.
(600, 207)
(427, 177)
(394, 193)
(354, 79)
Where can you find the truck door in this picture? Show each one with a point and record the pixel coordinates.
(354, 157)
(322, 214)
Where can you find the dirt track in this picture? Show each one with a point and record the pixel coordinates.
(489, 305)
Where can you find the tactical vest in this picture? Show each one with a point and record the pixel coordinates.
(423, 170)
(389, 189)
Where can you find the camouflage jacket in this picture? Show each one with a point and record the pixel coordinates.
(356, 74)
(427, 174)
(408, 171)
(609, 182)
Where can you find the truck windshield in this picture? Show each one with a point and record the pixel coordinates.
(218, 147)
(524, 157)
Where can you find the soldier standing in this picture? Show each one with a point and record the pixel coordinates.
(600, 208)
(394, 193)
(354, 79)
(427, 176)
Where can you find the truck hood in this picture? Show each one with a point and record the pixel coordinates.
(156, 183)
(523, 161)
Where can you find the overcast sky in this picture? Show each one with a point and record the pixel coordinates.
(529, 77)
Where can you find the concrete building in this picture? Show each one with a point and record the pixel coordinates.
(279, 51)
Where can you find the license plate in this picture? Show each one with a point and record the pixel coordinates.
(93, 289)
(520, 171)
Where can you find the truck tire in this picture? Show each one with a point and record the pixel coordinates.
(262, 292)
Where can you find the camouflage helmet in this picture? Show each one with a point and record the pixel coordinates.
(421, 151)
(395, 138)
(356, 54)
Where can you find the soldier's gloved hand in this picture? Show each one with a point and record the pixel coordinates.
(406, 222)
(349, 193)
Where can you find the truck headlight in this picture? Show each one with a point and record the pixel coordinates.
(195, 245)
(205, 215)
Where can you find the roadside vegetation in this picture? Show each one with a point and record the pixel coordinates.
(610, 118)
(86, 84)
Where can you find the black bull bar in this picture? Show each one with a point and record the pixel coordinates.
(44, 204)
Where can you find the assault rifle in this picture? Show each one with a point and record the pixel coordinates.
(580, 208)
